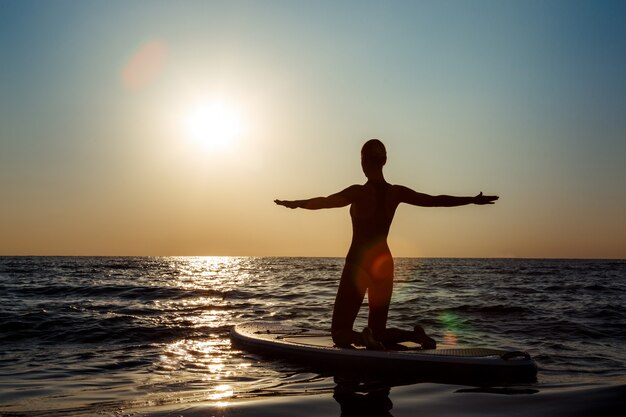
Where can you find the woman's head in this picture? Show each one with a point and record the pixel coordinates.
(373, 153)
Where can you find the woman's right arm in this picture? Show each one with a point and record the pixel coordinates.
(341, 199)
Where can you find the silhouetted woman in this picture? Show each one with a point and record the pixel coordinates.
(369, 264)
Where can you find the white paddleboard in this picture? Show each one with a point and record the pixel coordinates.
(315, 348)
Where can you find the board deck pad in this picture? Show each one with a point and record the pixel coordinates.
(315, 347)
(326, 341)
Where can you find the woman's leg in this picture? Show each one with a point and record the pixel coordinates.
(347, 304)
(380, 288)
(418, 335)
(379, 297)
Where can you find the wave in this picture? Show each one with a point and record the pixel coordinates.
(41, 327)
(495, 309)
(119, 291)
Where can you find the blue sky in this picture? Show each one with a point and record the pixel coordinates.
(522, 99)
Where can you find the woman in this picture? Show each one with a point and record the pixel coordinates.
(369, 264)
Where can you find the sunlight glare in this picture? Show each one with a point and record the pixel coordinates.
(214, 125)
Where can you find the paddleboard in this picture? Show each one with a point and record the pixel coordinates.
(446, 363)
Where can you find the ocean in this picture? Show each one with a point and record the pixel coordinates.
(149, 336)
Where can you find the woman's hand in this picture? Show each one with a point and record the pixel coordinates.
(287, 203)
(481, 199)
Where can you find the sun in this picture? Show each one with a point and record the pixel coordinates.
(214, 125)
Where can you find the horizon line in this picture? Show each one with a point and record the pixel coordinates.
(310, 256)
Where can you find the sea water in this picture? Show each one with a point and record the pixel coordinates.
(127, 336)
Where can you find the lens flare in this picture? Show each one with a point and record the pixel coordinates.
(144, 66)
(453, 327)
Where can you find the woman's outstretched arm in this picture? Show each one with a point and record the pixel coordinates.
(340, 199)
(424, 200)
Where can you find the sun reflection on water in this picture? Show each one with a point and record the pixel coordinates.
(216, 273)
(203, 359)
(221, 393)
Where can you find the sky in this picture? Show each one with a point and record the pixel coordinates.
(168, 128)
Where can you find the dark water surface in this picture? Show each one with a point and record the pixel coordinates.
(112, 336)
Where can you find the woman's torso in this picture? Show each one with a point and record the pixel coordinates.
(372, 213)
